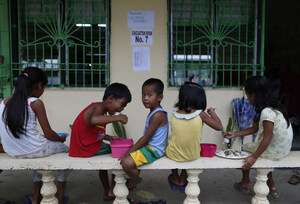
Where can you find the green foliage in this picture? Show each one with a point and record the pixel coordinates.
(229, 128)
(119, 130)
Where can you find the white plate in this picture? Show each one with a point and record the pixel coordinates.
(241, 155)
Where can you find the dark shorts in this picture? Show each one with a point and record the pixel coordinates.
(105, 149)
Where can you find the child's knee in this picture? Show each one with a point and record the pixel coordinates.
(128, 163)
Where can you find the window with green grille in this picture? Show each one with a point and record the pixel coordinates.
(218, 43)
(69, 39)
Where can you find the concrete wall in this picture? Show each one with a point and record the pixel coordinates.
(63, 105)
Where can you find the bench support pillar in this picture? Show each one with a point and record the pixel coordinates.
(48, 189)
(261, 188)
(192, 190)
(120, 189)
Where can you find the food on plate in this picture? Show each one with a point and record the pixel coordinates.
(230, 153)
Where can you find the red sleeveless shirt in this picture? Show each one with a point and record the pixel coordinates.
(84, 142)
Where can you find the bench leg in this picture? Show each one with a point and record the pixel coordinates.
(192, 190)
(120, 189)
(48, 189)
(261, 188)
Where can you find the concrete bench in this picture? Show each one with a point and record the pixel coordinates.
(47, 166)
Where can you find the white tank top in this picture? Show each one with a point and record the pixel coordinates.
(30, 142)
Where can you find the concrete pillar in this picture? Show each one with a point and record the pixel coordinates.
(120, 189)
(48, 189)
(261, 188)
(192, 190)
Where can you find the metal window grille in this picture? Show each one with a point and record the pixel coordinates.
(218, 43)
(69, 39)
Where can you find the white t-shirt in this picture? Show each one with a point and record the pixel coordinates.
(31, 142)
(282, 138)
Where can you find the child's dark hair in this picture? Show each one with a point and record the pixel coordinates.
(15, 113)
(118, 91)
(261, 87)
(159, 85)
(191, 96)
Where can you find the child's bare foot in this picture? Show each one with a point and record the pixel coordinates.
(29, 199)
(245, 183)
(108, 197)
(131, 183)
(244, 189)
(111, 193)
(183, 179)
(174, 178)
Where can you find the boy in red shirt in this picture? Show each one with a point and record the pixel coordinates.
(88, 130)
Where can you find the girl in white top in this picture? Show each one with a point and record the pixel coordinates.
(19, 136)
(274, 139)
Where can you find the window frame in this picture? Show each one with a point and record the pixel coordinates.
(56, 50)
(209, 71)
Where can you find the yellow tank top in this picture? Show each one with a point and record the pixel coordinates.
(186, 135)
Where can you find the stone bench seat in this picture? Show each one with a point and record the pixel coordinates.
(47, 166)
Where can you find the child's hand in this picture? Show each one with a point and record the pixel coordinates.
(123, 118)
(110, 138)
(211, 111)
(63, 138)
(249, 161)
(229, 135)
(121, 159)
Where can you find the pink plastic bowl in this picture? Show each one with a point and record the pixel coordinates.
(208, 150)
(120, 146)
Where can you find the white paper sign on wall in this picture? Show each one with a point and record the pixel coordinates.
(141, 37)
(141, 58)
(140, 19)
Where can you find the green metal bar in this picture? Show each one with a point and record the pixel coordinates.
(223, 67)
(230, 66)
(239, 47)
(174, 46)
(34, 30)
(26, 23)
(19, 30)
(10, 45)
(255, 34)
(67, 22)
(99, 37)
(91, 41)
(169, 47)
(51, 57)
(184, 37)
(107, 38)
(262, 37)
(83, 53)
(247, 20)
(75, 54)
(43, 45)
(192, 30)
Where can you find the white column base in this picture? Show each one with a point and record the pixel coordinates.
(192, 190)
(48, 189)
(261, 188)
(120, 190)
